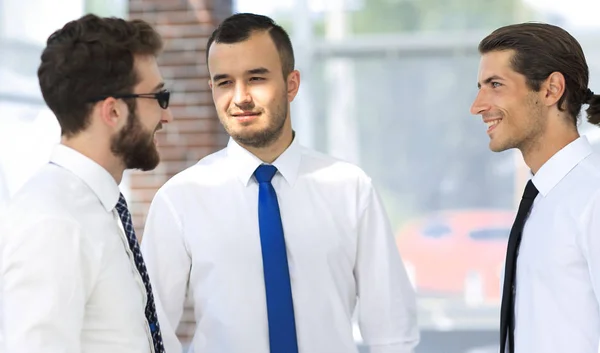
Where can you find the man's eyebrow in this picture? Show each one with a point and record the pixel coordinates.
(159, 86)
(218, 77)
(258, 71)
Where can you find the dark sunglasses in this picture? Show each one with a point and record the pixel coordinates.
(162, 97)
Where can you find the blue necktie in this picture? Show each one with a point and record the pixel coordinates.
(141, 267)
(280, 306)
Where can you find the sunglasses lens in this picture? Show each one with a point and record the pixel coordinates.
(163, 99)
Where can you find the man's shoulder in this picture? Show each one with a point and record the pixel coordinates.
(206, 169)
(592, 161)
(48, 194)
(320, 162)
(586, 174)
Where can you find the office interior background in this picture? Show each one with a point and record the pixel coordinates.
(386, 84)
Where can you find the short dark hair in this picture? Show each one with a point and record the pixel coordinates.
(91, 57)
(541, 49)
(239, 27)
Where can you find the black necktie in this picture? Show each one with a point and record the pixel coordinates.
(141, 267)
(508, 305)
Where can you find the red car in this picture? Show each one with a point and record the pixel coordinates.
(457, 253)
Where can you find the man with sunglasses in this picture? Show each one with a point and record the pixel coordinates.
(72, 278)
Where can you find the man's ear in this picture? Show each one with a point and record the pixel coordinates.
(113, 112)
(553, 88)
(293, 85)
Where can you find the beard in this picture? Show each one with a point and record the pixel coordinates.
(135, 145)
(275, 118)
(537, 124)
(527, 134)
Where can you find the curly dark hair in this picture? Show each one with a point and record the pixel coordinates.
(91, 57)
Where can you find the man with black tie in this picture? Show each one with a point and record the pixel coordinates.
(533, 81)
(72, 278)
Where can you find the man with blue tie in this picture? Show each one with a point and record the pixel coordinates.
(72, 277)
(274, 242)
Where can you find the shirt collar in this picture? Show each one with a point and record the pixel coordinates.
(96, 177)
(245, 163)
(559, 165)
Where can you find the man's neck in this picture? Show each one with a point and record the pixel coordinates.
(270, 153)
(98, 152)
(539, 152)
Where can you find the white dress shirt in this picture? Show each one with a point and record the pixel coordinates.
(4, 195)
(68, 281)
(202, 232)
(558, 267)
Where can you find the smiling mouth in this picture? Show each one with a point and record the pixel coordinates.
(493, 123)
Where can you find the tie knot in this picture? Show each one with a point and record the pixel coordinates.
(264, 173)
(530, 191)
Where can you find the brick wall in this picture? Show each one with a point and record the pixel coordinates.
(195, 132)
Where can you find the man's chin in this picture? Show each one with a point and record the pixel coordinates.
(146, 167)
(144, 164)
(253, 141)
(497, 146)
